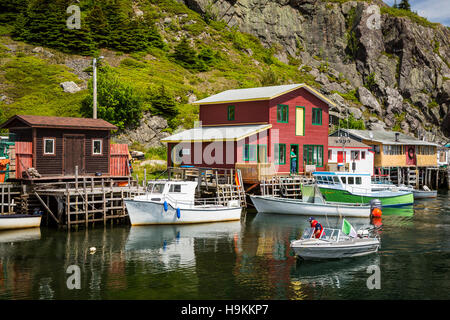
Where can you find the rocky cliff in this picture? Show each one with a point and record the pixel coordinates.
(385, 66)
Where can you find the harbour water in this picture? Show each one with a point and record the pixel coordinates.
(250, 259)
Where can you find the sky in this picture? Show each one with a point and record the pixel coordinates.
(433, 10)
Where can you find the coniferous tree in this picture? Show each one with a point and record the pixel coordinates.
(98, 24)
(404, 4)
(184, 54)
(162, 102)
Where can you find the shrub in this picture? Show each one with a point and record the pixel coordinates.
(117, 101)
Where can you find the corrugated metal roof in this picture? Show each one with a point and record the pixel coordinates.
(217, 133)
(260, 93)
(61, 122)
(388, 137)
(351, 143)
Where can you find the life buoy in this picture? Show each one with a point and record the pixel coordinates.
(177, 155)
(411, 153)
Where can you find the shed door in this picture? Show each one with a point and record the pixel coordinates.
(73, 154)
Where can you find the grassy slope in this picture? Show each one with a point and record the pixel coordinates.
(33, 82)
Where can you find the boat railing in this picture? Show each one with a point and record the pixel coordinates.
(195, 202)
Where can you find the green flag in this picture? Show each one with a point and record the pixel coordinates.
(348, 229)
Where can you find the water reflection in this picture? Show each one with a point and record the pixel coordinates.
(11, 236)
(250, 259)
(174, 245)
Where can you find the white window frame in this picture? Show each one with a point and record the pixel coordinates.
(53, 144)
(101, 147)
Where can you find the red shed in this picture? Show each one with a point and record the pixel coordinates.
(54, 146)
(256, 128)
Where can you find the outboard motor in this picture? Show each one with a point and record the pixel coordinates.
(375, 208)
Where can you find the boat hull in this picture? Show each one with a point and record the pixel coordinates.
(397, 199)
(290, 206)
(148, 213)
(316, 251)
(16, 221)
(419, 194)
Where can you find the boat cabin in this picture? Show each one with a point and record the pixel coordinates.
(159, 190)
(344, 180)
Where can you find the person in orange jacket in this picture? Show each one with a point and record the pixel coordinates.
(318, 228)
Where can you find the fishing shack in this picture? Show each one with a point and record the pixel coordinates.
(397, 156)
(68, 168)
(56, 146)
(258, 131)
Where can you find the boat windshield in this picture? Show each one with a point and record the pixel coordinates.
(307, 234)
(332, 235)
(156, 187)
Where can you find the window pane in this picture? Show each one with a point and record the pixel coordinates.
(230, 113)
(97, 147)
(49, 146)
(351, 180)
(358, 180)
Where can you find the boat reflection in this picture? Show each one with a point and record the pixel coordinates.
(302, 222)
(19, 235)
(333, 273)
(407, 211)
(174, 245)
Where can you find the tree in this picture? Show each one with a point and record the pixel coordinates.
(162, 102)
(404, 4)
(352, 123)
(184, 54)
(117, 101)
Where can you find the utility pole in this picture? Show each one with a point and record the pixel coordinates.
(94, 67)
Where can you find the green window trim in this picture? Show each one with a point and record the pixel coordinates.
(231, 113)
(247, 156)
(284, 115)
(317, 114)
(317, 150)
(278, 155)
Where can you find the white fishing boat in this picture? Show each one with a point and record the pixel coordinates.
(174, 202)
(311, 204)
(19, 221)
(426, 193)
(334, 244)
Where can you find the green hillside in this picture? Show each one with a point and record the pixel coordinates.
(157, 53)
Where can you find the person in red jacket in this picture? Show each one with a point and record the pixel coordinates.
(318, 228)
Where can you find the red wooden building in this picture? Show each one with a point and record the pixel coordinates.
(257, 128)
(54, 146)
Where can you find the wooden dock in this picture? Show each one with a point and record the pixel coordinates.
(284, 186)
(85, 200)
(8, 197)
(225, 184)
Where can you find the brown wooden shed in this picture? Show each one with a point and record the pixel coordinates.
(56, 145)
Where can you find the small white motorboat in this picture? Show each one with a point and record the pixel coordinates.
(19, 221)
(269, 204)
(174, 202)
(334, 244)
(311, 204)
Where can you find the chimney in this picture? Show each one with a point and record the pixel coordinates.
(396, 136)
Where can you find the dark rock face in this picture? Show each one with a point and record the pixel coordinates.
(406, 60)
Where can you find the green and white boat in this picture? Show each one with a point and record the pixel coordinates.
(356, 188)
